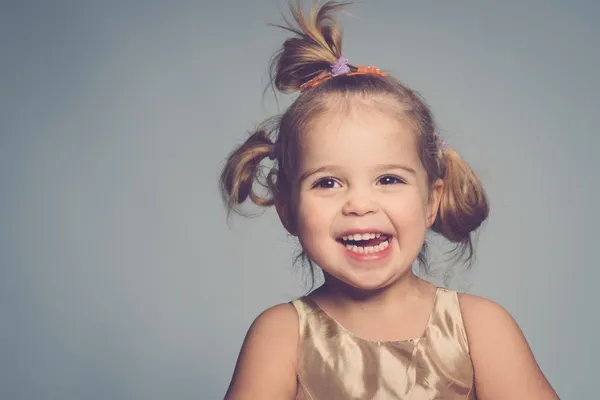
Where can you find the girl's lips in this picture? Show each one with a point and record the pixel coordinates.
(377, 254)
(369, 241)
(351, 232)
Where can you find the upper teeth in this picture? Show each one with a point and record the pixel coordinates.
(361, 236)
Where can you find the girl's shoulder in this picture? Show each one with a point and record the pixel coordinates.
(484, 318)
(478, 311)
(266, 366)
(501, 356)
(278, 320)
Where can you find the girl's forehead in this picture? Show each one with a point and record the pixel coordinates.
(339, 113)
(358, 131)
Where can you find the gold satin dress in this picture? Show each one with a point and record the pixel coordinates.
(335, 364)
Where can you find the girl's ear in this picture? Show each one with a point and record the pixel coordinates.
(284, 210)
(435, 197)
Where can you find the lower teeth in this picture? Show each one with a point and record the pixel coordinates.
(368, 249)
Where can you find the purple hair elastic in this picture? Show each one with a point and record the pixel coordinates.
(340, 67)
(443, 145)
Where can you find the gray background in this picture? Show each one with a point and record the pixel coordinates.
(119, 276)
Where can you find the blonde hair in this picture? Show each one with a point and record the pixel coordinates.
(315, 45)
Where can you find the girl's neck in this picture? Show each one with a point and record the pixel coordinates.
(342, 296)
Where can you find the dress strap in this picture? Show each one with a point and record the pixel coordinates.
(446, 322)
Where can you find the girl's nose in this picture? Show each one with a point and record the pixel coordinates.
(360, 203)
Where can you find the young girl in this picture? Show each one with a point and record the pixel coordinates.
(360, 175)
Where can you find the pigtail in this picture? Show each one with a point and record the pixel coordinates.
(464, 205)
(243, 169)
(317, 44)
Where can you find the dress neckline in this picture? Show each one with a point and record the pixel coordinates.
(342, 328)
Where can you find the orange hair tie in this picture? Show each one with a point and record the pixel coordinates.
(323, 76)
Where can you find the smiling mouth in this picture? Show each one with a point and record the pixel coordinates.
(365, 243)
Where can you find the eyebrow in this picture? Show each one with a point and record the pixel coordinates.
(381, 167)
(406, 168)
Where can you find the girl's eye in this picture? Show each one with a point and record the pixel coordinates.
(390, 180)
(325, 183)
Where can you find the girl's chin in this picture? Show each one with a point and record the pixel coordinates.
(364, 285)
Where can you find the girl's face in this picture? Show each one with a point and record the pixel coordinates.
(362, 202)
